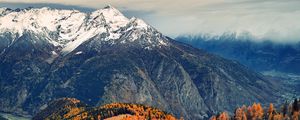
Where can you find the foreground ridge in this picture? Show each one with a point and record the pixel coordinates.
(73, 109)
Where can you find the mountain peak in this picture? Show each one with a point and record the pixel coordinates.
(4, 11)
(138, 23)
(108, 10)
(112, 16)
(108, 7)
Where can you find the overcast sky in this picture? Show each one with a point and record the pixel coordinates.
(278, 20)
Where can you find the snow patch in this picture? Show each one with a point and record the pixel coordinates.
(77, 53)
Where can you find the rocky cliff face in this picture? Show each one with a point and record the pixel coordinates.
(119, 60)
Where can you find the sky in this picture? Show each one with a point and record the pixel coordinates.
(277, 20)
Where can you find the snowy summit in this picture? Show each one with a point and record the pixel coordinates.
(68, 29)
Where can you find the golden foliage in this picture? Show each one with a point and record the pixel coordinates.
(132, 112)
(223, 116)
(296, 115)
(240, 114)
(213, 118)
(72, 112)
(256, 112)
(278, 117)
(141, 111)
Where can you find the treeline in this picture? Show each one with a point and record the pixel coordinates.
(287, 111)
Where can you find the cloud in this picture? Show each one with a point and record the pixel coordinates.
(51, 5)
(277, 20)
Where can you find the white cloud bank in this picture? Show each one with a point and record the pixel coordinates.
(278, 20)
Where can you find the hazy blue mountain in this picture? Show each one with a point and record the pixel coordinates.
(279, 61)
(260, 56)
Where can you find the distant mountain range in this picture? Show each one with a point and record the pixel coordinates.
(103, 57)
(258, 55)
(280, 61)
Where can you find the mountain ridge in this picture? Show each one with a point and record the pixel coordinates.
(263, 56)
(70, 28)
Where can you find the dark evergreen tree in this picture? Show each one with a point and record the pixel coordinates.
(295, 105)
(285, 108)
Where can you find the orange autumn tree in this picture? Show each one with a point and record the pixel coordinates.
(240, 114)
(213, 118)
(296, 115)
(271, 110)
(224, 116)
(255, 112)
(250, 113)
(139, 112)
(258, 111)
(278, 117)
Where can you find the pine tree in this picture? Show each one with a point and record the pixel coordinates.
(285, 108)
(295, 106)
(213, 118)
(223, 116)
(240, 114)
(278, 117)
(271, 108)
(296, 115)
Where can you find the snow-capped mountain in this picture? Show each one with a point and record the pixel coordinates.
(104, 57)
(68, 29)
